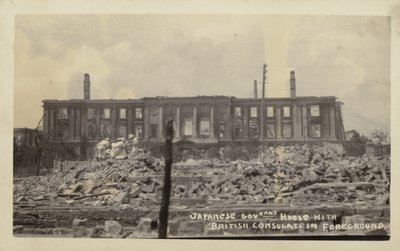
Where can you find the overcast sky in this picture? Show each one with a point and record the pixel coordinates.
(135, 56)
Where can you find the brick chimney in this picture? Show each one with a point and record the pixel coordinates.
(255, 89)
(292, 85)
(86, 86)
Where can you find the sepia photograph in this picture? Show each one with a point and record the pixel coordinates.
(202, 126)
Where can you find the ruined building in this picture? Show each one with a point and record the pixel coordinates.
(203, 124)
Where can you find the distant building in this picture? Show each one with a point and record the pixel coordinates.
(202, 124)
(376, 149)
(25, 151)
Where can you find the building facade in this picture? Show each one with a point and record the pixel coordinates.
(202, 125)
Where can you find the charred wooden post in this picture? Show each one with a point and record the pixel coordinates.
(163, 222)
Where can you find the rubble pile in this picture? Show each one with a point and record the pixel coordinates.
(293, 174)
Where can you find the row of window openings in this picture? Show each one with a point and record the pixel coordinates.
(314, 111)
(106, 113)
(314, 132)
(187, 128)
(105, 131)
(315, 129)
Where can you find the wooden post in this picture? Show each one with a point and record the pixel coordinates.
(163, 221)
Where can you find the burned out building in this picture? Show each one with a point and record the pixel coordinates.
(202, 124)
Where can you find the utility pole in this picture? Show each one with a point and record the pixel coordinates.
(264, 78)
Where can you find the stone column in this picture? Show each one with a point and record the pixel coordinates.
(212, 123)
(71, 123)
(130, 126)
(326, 123)
(278, 123)
(114, 129)
(97, 113)
(178, 121)
(52, 119)
(84, 122)
(161, 122)
(195, 121)
(305, 122)
(78, 123)
(296, 121)
(246, 121)
(146, 122)
(46, 120)
(333, 122)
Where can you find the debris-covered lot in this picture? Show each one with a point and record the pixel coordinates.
(292, 177)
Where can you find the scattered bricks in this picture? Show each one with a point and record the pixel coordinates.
(112, 228)
(112, 185)
(158, 192)
(134, 192)
(37, 231)
(133, 179)
(62, 231)
(88, 186)
(114, 177)
(39, 198)
(22, 198)
(147, 188)
(383, 199)
(69, 202)
(370, 196)
(79, 222)
(137, 202)
(144, 225)
(88, 175)
(120, 197)
(80, 231)
(216, 190)
(152, 197)
(278, 200)
(252, 171)
(143, 196)
(18, 229)
(243, 190)
(98, 232)
(187, 201)
(158, 181)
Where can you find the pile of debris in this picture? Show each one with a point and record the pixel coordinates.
(293, 174)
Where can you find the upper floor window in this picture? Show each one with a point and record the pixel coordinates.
(253, 129)
(286, 111)
(139, 131)
(237, 130)
(238, 111)
(314, 109)
(122, 113)
(270, 112)
(221, 130)
(106, 113)
(153, 130)
(62, 113)
(138, 113)
(315, 130)
(187, 127)
(253, 112)
(204, 127)
(91, 113)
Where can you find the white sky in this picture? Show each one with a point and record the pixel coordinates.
(134, 56)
